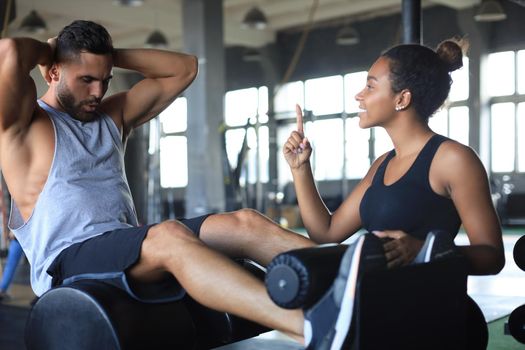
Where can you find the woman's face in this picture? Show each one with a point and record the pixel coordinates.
(377, 100)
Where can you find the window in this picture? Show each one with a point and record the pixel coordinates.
(500, 74)
(459, 91)
(263, 147)
(439, 122)
(357, 158)
(326, 137)
(173, 161)
(502, 137)
(245, 111)
(520, 135)
(505, 81)
(174, 118)
(240, 106)
(354, 83)
(283, 170)
(262, 108)
(234, 142)
(521, 72)
(286, 97)
(173, 148)
(357, 140)
(382, 143)
(452, 120)
(459, 124)
(257, 153)
(324, 95)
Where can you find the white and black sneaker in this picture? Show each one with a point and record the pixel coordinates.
(328, 322)
(438, 245)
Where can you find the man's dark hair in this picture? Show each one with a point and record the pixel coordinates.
(82, 36)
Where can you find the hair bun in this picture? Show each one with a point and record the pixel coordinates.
(451, 53)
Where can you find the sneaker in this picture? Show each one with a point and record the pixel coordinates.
(438, 245)
(327, 323)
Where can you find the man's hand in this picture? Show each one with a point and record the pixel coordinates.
(44, 69)
(297, 149)
(400, 248)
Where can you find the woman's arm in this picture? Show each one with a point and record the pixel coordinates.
(459, 171)
(321, 225)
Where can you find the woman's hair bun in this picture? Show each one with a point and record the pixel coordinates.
(451, 52)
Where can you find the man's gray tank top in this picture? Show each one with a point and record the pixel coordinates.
(86, 193)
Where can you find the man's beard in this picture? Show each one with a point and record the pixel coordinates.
(74, 109)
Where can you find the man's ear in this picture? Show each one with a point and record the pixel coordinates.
(54, 72)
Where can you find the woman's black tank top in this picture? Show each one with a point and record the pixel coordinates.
(409, 204)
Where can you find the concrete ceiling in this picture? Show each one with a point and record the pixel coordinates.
(130, 26)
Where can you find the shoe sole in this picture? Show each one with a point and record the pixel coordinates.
(348, 277)
(430, 247)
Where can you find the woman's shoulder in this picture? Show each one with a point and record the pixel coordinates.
(453, 150)
(455, 157)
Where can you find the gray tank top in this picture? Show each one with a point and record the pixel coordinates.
(86, 193)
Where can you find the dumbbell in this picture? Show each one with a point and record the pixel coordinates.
(516, 324)
(519, 253)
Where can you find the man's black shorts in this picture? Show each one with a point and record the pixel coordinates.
(108, 256)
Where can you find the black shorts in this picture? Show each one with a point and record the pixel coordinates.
(108, 256)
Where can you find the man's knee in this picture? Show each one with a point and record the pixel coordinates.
(247, 218)
(171, 232)
(167, 238)
(164, 244)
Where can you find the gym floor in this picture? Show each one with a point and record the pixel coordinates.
(496, 295)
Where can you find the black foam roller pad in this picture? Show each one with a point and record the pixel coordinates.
(298, 278)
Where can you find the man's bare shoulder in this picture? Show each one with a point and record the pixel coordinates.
(26, 157)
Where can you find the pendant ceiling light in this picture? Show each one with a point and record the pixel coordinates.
(255, 19)
(157, 39)
(128, 3)
(490, 11)
(347, 35)
(33, 23)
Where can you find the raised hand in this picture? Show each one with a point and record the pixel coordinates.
(44, 69)
(297, 149)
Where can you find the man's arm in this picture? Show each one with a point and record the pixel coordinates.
(166, 74)
(17, 89)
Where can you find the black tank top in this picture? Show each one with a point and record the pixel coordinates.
(409, 204)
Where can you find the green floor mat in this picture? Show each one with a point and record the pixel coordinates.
(500, 341)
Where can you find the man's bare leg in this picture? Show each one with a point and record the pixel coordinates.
(248, 234)
(211, 278)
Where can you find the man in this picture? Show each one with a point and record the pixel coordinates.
(62, 158)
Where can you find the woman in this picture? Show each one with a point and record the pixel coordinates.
(427, 182)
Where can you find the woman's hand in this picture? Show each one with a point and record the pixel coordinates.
(400, 248)
(297, 149)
